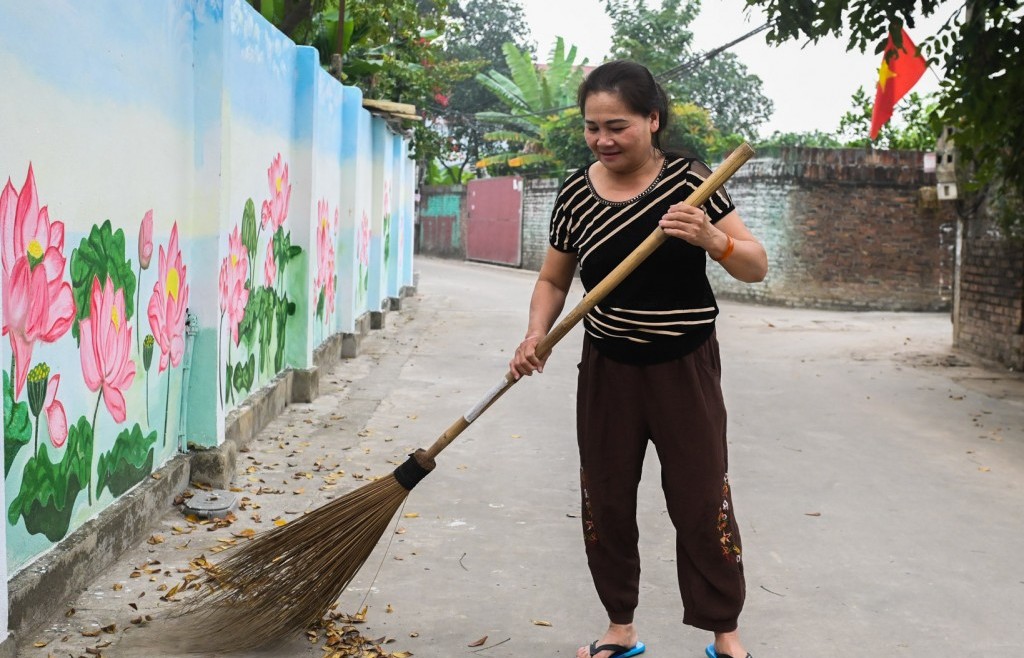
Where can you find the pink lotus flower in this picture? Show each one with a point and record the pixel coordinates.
(38, 304)
(329, 287)
(275, 210)
(324, 269)
(364, 241)
(106, 345)
(168, 303)
(234, 271)
(222, 286)
(270, 266)
(146, 241)
(56, 419)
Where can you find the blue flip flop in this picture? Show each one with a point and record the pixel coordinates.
(621, 651)
(710, 652)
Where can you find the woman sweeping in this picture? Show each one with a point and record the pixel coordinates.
(650, 368)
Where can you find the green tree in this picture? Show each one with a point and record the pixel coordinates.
(392, 50)
(660, 39)
(812, 139)
(692, 132)
(533, 96)
(484, 26)
(909, 128)
(979, 46)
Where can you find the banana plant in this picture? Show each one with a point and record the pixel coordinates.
(534, 97)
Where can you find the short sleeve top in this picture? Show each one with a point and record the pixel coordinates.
(666, 307)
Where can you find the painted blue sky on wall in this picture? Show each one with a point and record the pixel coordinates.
(185, 40)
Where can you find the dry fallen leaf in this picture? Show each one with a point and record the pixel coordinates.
(280, 522)
(540, 622)
(118, 587)
(155, 539)
(411, 515)
(40, 645)
(478, 643)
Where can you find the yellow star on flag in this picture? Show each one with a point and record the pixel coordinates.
(884, 74)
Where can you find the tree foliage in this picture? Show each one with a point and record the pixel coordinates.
(910, 127)
(484, 26)
(392, 50)
(660, 39)
(811, 139)
(979, 45)
(533, 97)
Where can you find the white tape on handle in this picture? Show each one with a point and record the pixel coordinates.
(480, 406)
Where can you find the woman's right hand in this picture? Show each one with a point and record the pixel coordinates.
(525, 360)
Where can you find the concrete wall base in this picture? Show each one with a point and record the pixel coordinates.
(350, 343)
(71, 565)
(36, 591)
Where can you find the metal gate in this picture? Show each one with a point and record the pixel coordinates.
(494, 225)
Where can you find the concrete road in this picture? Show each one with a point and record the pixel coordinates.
(877, 478)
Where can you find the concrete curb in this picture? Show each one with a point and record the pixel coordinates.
(70, 566)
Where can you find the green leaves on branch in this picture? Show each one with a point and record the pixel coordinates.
(535, 99)
(983, 81)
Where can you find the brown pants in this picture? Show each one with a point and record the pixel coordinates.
(678, 406)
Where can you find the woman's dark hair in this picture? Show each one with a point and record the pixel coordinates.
(634, 84)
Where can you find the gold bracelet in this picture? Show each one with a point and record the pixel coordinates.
(728, 250)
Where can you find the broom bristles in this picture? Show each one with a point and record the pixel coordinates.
(285, 580)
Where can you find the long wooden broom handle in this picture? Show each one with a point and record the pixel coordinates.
(699, 196)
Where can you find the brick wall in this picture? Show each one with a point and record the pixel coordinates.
(845, 229)
(988, 319)
(538, 200)
(440, 221)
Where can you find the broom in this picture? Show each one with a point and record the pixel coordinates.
(286, 579)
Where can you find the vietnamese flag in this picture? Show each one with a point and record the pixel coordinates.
(901, 69)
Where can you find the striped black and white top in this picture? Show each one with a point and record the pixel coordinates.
(666, 307)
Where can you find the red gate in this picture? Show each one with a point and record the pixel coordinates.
(494, 225)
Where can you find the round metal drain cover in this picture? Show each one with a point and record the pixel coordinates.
(210, 504)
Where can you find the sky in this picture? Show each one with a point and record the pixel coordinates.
(811, 87)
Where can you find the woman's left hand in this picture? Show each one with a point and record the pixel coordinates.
(691, 224)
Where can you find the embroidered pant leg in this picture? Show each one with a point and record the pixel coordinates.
(612, 441)
(688, 426)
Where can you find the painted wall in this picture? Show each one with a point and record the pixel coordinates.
(190, 205)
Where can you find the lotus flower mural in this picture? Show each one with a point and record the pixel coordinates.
(257, 307)
(86, 299)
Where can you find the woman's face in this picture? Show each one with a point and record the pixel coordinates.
(620, 138)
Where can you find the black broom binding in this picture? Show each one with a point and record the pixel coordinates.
(411, 471)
